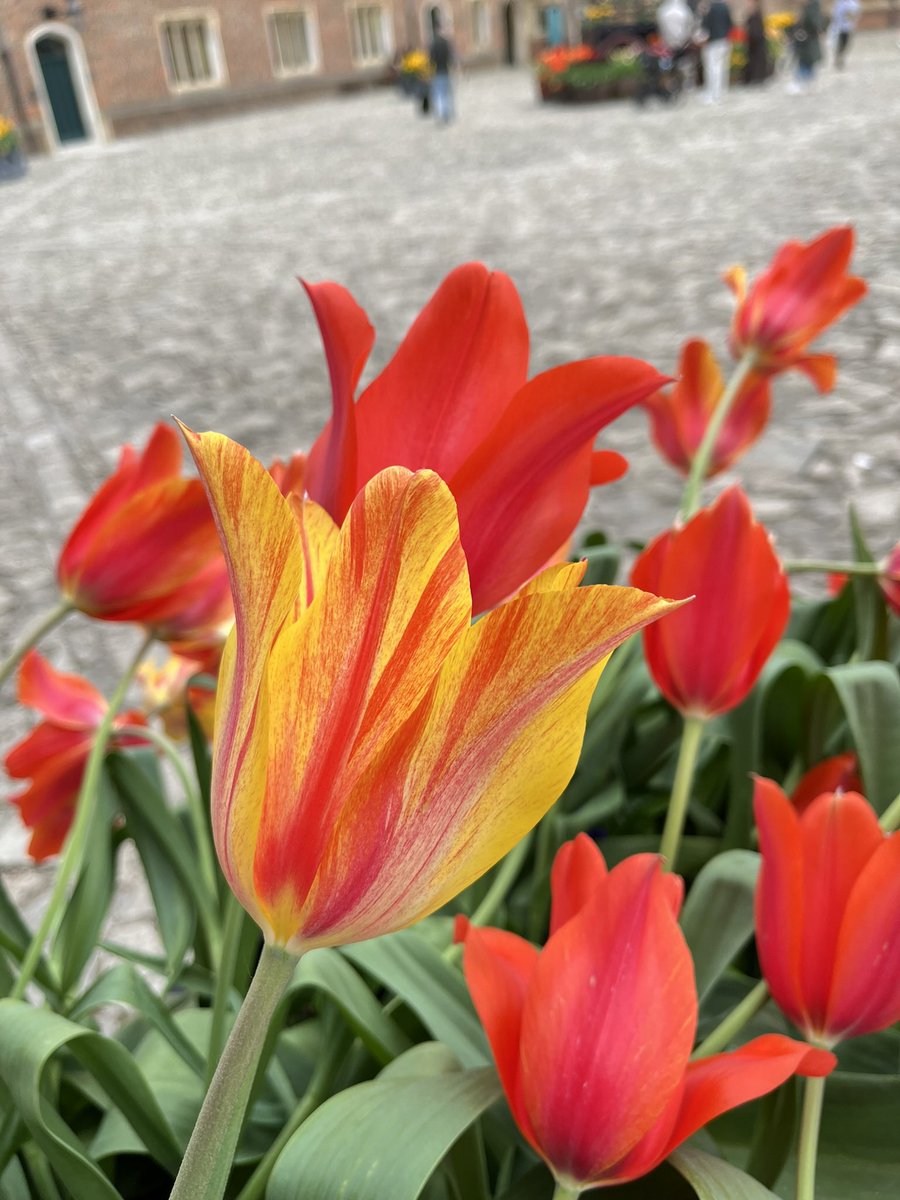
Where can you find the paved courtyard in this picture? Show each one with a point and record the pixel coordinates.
(157, 276)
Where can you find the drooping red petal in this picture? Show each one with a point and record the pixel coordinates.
(522, 491)
(67, 700)
(721, 1082)
(348, 337)
(607, 466)
(42, 746)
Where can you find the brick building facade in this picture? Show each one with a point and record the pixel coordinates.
(92, 70)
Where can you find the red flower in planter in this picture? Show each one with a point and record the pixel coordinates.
(805, 290)
(54, 755)
(828, 913)
(516, 454)
(706, 657)
(592, 1036)
(139, 546)
(680, 415)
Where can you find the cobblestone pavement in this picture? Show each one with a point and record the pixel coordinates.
(157, 276)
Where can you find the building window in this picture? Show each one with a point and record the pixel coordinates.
(481, 24)
(369, 37)
(191, 52)
(292, 37)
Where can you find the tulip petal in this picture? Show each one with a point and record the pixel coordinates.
(319, 537)
(525, 487)
(265, 565)
(820, 369)
(47, 805)
(839, 834)
(451, 380)
(498, 967)
(840, 773)
(394, 601)
(721, 1082)
(348, 338)
(780, 897)
(608, 1025)
(606, 467)
(491, 747)
(578, 870)
(865, 993)
(41, 747)
(67, 700)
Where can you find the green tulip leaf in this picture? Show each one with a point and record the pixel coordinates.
(383, 1140)
(869, 694)
(717, 920)
(715, 1179)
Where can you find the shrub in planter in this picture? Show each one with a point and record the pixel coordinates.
(12, 161)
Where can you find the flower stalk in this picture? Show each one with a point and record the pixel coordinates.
(31, 639)
(810, 1122)
(76, 844)
(681, 790)
(207, 1161)
(728, 1029)
(564, 1192)
(691, 499)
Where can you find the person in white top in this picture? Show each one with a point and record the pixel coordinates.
(843, 22)
(675, 22)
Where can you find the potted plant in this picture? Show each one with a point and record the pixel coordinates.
(12, 160)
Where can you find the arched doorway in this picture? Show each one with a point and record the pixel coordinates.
(53, 60)
(63, 86)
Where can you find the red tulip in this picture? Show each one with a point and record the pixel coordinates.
(139, 546)
(805, 290)
(680, 415)
(828, 913)
(706, 657)
(54, 755)
(837, 774)
(888, 580)
(516, 454)
(592, 1036)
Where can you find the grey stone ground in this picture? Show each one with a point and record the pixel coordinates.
(157, 276)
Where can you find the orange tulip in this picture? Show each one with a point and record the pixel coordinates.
(592, 1036)
(680, 415)
(375, 752)
(805, 290)
(517, 454)
(137, 550)
(54, 755)
(707, 657)
(828, 913)
(167, 691)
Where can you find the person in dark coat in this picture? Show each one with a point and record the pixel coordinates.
(757, 68)
(807, 48)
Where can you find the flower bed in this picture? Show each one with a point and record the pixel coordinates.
(579, 75)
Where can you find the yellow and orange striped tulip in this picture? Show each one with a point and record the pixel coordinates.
(375, 751)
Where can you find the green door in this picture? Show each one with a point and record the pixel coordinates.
(54, 60)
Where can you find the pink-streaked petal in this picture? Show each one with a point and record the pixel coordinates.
(66, 700)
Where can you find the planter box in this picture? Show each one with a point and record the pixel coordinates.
(13, 166)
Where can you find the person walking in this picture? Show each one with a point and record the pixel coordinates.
(716, 50)
(843, 22)
(757, 68)
(807, 49)
(442, 56)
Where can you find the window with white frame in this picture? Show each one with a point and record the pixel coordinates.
(191, 51)
(481, 24)
(369, 37)
(292, 36)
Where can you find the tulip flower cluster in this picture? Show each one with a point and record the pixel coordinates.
(376, 664)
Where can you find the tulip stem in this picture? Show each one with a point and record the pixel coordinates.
(506, 876)
(691, 499)
(564, 1192)
(208, 1159)
(194, 803)
(890, 818)
(76, 842)
(825, 567)
(681, 790)
(728, 1029)
(31, 639)
(813, 1096)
